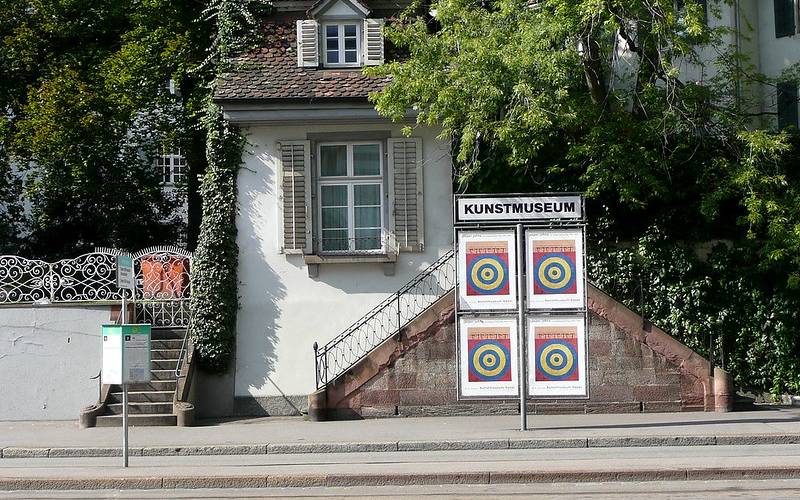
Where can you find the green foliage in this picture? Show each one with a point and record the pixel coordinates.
(650, 112)
(215, 299)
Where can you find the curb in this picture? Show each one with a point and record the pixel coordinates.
(352, 480)
(398, 446)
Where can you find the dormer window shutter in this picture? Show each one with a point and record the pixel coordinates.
(373, 42)
(307, 43)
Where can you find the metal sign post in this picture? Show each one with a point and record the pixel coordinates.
(523, 391)
(125, 281)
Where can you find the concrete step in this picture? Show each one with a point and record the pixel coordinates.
(166, 344)
(163, 374)
(140, 408)
(143, 397)
(153, 385)
(167, 333)
(137, 420)
(163, 364)
(164, 353)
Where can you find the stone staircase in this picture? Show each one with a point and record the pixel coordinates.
(150, 403)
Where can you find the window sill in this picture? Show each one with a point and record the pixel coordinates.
(313, 261)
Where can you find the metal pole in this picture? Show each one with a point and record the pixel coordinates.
(523, 408)
(124, 421)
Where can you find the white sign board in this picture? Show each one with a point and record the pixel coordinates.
(126, 354)
(557, 356)
(487, 267)
(518, 208)
(554, 260)
(125, 272)
(488, 357)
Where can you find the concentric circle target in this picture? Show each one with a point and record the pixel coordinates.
(490, 360)
(555, 273)
(558, 359)
(488, 274)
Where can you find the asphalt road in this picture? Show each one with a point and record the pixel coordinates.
(772, 489)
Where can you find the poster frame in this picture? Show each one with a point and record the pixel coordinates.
(581, 291)
(530, 351)
(514, 352)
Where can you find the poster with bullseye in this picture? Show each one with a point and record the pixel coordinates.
(488, 354)
(487, 264)
(556, 357)
(554, 259)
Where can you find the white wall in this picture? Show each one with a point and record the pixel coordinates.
(47, 356)
(775, 54)
(284, 311)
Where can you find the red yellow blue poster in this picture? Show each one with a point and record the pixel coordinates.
(488, 357)
(557, 356)
(555, 268)
(487, 270)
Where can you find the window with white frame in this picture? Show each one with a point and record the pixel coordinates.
(350, 184)
(172, 166)
(342, 44)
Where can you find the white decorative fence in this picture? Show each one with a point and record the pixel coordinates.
(163, 282)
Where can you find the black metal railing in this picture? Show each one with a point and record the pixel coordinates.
(384, 320)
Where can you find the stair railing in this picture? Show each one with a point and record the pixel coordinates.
(384, 320)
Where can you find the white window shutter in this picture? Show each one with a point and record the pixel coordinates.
(295, 185)
(373, 42)
(405, 161)
(307, 43)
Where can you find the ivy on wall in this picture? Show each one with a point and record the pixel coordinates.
(214, 294)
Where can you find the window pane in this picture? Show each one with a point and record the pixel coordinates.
(334, 196)
(350, 30)
(333, 240)
(367, 217)
(366, 159)
(350, 56)
(333, 160)
(334, 218)
(332, 31)
(350, 44)
(368, 239)
(367, 194)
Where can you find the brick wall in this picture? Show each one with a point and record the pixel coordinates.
(633, 367)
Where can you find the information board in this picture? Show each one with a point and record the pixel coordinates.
(125, 278)
(126, 353)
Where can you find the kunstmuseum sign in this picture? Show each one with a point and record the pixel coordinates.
(518, 208)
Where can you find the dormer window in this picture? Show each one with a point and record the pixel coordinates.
(342, 44)
(338, 34)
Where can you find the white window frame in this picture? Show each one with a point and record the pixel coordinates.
(340, 27)
(350, 180)
(170, 158)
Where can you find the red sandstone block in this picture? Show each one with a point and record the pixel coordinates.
(628, 407)
(406, 381)
(380, 398)
(661, 406)
(657, 392)
(600, 347)
(559, 408)
(611, 393)
(427, 397)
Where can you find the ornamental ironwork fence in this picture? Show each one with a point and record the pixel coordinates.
(384, 320)
(163, 282)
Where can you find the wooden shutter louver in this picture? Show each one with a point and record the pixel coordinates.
(307, 43)
(405, 158)
(296, 196)
(373, 42)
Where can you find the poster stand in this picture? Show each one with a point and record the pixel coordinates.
(521, 262)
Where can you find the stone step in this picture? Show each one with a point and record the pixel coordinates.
(140, 408)
(137, 420)
(167, 334)
(153, 385)
(143, 397)
(163, 364)
(163, 374)
(164, 353)
(166, 344)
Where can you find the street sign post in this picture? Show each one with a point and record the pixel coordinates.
(521, 256)
(126, 281)
(126, 359)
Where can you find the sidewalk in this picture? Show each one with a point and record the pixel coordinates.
(272, 435)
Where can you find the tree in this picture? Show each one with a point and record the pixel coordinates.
(651, 113)
(85, 89)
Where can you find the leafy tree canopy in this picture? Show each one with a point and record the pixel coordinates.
(652, 112)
